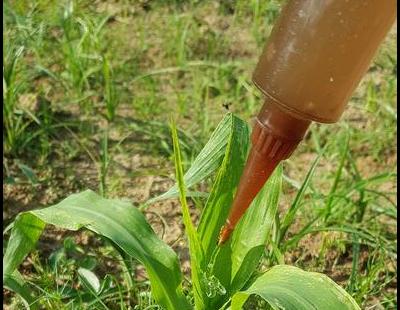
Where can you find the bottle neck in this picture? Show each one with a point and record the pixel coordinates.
(276, 133)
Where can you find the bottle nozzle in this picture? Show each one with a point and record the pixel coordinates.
(275, 136)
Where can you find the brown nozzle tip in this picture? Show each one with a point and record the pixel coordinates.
(275, 136)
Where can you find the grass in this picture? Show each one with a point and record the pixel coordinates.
(104, 79)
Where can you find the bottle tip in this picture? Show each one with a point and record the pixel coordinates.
(275, 136)
(225, 233)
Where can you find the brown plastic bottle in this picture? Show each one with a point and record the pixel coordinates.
(315, 57)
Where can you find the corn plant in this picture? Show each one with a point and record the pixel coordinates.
(221, 277)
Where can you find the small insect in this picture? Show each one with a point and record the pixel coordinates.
(226, 105)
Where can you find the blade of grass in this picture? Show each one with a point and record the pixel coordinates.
(289, 217)
(361, 207)
(364, 237)
(195, 247)
(343, 156)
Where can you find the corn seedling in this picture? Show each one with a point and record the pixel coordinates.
(221, 277)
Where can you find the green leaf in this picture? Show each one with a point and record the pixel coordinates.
(88, 262)
(288, 287)
(195, 248)
(14, 282)
(207, 161)
(237, 260)
(89, 279)
(217, 206)
(253, 231)
(25, 232)
(114, 219)
(28, 172)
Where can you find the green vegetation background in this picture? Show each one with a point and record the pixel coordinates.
(89, 88)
